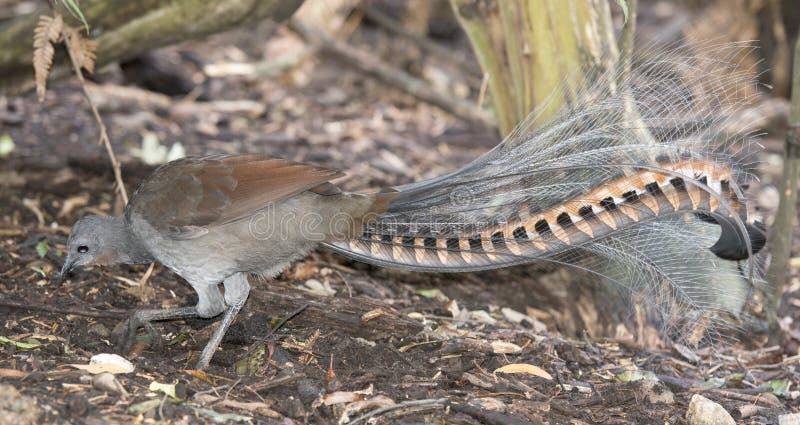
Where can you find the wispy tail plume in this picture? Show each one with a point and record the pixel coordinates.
(644, 186)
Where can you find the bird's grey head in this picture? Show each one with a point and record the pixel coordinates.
(96, 240)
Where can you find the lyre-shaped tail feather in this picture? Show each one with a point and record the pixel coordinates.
(637, 197)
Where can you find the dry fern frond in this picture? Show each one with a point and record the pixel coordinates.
(48, 31)
(82, 49)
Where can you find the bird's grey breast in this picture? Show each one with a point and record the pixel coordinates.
(202, 259)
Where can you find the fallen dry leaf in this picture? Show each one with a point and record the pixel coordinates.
(338, 397)
(372, 403)
(367, 391)
(106, 363)
(502, 347)
(524, 368)
(255, 406)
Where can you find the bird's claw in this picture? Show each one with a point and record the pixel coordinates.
(127, 335)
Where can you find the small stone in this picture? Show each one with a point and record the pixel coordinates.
(308, 390)
(280, 356)
(333, 385)
(107, 382)
(292, 407)
(703, 411)
(657, 392)
(99, 329)
(78, 405)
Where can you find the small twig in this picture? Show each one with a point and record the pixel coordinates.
(754, 399)
(429, 402)
(161, 407)
(259, 341)
(33, 206)
(428, 45)
(482, 91)
(213, 389)
(626, 43)
(63, 310)
(103, 133)
(489, 417)
(143, 282)
(21, 231)
(283, 380)
(235, 383)
(368, 64)
(283, 321)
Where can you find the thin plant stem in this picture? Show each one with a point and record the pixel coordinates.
(627, 40)
(784, 218)
(103, 133)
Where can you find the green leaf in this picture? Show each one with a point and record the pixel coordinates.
(20, 345)
(432, 293)
(168, 389)
(6, 145)
(778, 386)
(714, 383)
(636, 375)
(624, 5)
(181, 337)
(38, 270)
(42, 247)
(734, 379)
(75, 10)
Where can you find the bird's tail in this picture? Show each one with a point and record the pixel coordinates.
(639, 179)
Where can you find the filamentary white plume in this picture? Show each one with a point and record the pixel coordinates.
(636, 179)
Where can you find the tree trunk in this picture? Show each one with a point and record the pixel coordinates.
(124, 29)
(528, 48)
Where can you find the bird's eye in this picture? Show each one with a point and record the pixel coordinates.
(83, 249)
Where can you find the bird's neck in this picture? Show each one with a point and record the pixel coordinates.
(128, 247)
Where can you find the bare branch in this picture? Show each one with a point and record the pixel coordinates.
(77, 63)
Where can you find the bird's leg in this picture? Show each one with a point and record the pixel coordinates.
(210, 303)
(236, 290)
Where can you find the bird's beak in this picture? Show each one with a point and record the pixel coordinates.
(69, 264)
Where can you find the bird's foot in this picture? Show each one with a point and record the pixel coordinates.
(126, 336)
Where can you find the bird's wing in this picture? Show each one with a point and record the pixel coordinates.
(183, 197)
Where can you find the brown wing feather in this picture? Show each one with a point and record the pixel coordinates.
(198, 192)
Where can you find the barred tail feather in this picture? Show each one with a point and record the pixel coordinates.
(654, 201)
